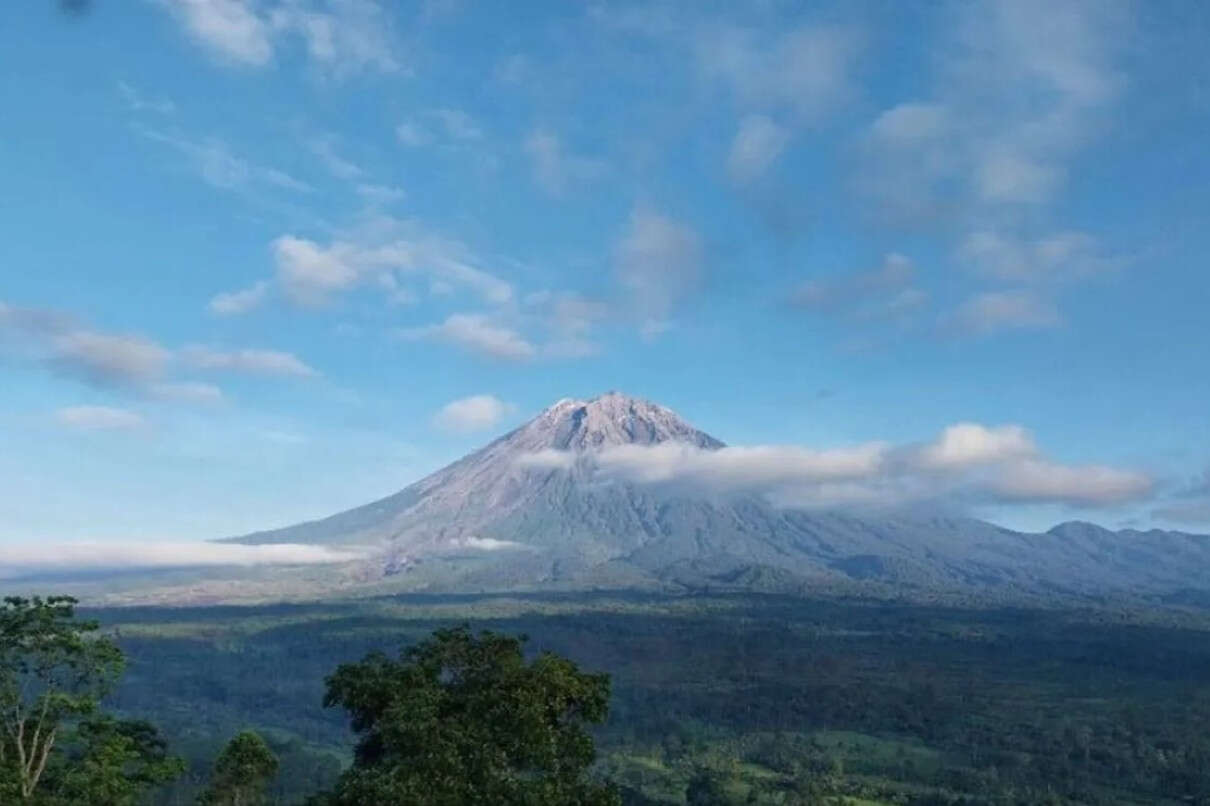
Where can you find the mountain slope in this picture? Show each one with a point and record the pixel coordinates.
(526, 511)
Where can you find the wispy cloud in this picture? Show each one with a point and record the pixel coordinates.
(996, 311)
(1054, 258)
(250, 361)
(1013, 102)
(446, 126)
(99, 418)
(136, 101)
(658, 261)
(475, 333)
(885, 293)
(1011, 107)
(1190, 503)
(219, 166)
(312, 274)
(130, 362)
(805, 72)
(236, 302)
(756, 147)
(555, 169)
(325, 149)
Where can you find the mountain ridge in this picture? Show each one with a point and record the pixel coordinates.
(526, 510)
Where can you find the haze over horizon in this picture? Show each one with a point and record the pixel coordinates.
(268, 261)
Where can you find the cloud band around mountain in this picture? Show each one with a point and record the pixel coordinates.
(967, 462)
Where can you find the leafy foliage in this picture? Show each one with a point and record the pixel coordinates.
(241, 772)
(464, 719)
(52, 669)
(109, 762)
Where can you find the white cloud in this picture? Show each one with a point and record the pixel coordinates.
(476, 333)
(1058, 257)
(128, 362)
(659, 262)
(67, 346)
(231, 29)
(311, 274)
(554, 168)
(220, 167)
(24, 559)
(107, 358)
(250, 361)
(99, 418)
(967, 463)
(967, 444)
(547, 459)
(1013, 103)
(757, 145)
(806, 72)
(470, 414)
(340, 37)
(230, 303)
(996, 311)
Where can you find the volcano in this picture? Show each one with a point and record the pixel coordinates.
(527, 512)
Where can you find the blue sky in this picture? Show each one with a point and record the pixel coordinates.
(253, 251)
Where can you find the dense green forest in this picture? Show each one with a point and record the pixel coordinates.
(731, 699)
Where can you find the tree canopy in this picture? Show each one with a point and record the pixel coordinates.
(241, 772)
(56, 747)
(465, 719)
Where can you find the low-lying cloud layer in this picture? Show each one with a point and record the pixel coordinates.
(51, 558)
(966, 463)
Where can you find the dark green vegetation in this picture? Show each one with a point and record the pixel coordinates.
(766, 699)
(241, 773)
(462, 719)
(56, 745)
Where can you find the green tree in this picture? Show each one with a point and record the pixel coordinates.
(461, 719)
(241, 772)
(54, 671)
(109, 762)
(706, 788)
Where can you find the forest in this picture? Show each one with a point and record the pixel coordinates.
(741, 699)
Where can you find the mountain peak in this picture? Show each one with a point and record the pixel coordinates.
(609, 419)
